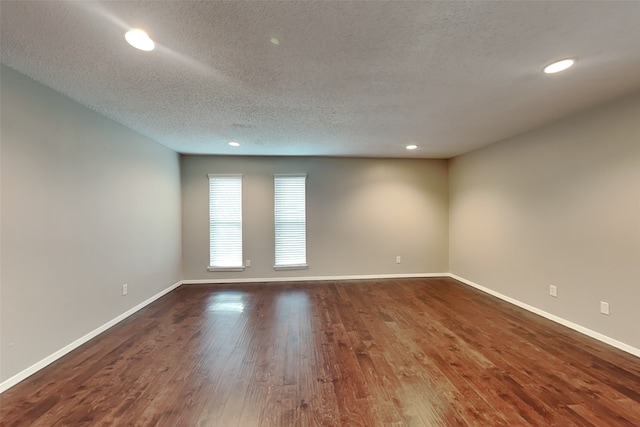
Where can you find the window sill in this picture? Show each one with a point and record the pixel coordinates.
(291, 267)
(221, 269)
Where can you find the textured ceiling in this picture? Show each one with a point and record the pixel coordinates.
(347, 79)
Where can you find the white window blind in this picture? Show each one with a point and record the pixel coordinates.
(225, 221)
(290, 220)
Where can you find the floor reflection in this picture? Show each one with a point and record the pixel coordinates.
(232, 302)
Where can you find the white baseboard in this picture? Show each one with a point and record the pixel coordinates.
(593, 334)
(312, 278)
(5, 385)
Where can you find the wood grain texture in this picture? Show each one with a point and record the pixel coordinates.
(410, 352)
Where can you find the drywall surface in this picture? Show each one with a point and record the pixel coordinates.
(87, 206)
(361, 214)
(557, 206)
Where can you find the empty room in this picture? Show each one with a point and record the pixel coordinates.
(319, 213)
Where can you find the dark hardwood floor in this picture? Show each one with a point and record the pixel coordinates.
(414, 352)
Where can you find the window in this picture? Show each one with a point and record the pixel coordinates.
(290, 221)
(225, 222)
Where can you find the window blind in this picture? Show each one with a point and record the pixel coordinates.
(290, 220)
(225, 221)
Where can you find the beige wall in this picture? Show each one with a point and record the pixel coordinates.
(559, 205)
(87, 205)
(361, 214)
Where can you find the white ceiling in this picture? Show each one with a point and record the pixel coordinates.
(348, 78)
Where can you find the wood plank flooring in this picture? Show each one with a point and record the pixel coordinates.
(410, 352)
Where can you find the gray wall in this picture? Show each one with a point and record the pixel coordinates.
(361, 214)
(87, 205)
(558, 205)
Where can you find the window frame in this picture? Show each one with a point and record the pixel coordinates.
(241, 266)
(298, 266)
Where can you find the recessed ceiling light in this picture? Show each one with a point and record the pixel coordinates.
(558, 66)
(234, 144)
(274, 41)
(412, 147)
(140, 40)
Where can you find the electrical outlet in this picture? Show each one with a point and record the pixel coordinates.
(124, 289)
(247, 263)
(398, 259)
(553, 291)
(604, 307)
